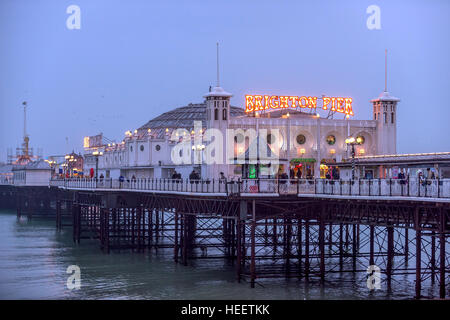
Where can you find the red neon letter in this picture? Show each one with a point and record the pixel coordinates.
(340, 105)
(348, 106)
(276, 105)
(249, 103)
(300, 102)
(258, 104)
(294, 101)
(333, 104)
(284, 102)
(312, 102)
(326, 102)
(266, 102)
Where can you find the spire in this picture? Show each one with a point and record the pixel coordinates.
(218, 75)
(217, 91)
(385, 70)
(26, 139)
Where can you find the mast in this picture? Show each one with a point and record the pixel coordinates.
(218, 75)
(25, 136)
(385, 70)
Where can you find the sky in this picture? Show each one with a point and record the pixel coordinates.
(132, 60)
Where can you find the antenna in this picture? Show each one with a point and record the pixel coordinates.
(24, 119)
(218, 75)
(385, 70)
(25, 136)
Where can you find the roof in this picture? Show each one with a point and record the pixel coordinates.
(34, 165)
(395, 159)
(182, 117)
(218, 92)
(385, 96)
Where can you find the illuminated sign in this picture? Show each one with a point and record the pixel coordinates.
(254, 103)
(93, 141)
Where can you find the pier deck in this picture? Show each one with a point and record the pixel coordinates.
(267, 228)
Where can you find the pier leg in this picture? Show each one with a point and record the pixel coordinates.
(288, 244)
(275, 236)
(19, 205)
(354, 246)
(418, 263)
(442, 266)
(238, 249)
(390, 255)
(406, 246)
(341, 246)
(299, 246)
(417, 226)
(322, 244)
(175, 249)
(307, 249)
(433, 257)
(252, 243)
(185, 241)
(150, 228)
(442, 254)
(371, 245)
(330, 237)
(58, 215)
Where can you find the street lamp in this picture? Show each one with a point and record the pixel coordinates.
(96, 154)
(352, 141)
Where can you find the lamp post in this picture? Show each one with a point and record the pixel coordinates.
(96, 154)
(352, 141)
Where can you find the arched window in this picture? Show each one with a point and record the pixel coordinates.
(385, 117)
(224, 114)
(216, 114)
(392, 117)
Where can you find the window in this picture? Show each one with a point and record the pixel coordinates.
(224, 114)
(385, 117)
(270, 138)
(392, 117)
(157, 147)
(361, 139)
(131, 148)
(331, 140)
(301, 139)
(216, 114)
(142, 147)
(238, 138)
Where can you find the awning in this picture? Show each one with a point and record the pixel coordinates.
(300, 160)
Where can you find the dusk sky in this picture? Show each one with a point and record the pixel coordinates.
(133, 60)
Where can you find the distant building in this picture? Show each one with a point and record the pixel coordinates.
(36, 173)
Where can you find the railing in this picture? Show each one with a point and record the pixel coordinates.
(174, 185)
(436, 188)
(5, 181)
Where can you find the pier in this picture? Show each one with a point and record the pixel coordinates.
(266, 228)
